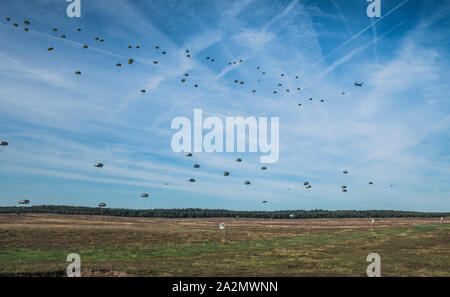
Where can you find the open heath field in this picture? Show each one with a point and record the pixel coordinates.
(38, 244)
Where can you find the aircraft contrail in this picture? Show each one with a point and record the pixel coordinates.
(365, 29)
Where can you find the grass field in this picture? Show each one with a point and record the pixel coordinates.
(37, 245)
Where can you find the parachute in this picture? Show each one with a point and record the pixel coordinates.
(188, 155)
(344, 187)
(264, 168)
(85, 46)
(196, 166)
(238, 160)
(50, 49)
(101, 205)
(155, 62)
(79, 29)
(4, 143)
(254, 91)
(130, 61)
(247, 182)
(26, 29)
(370, 183)
(24, 201)
(8, 19)
(78, 72)
(192, 180)
(119, 65)
(55, 29)
(63, 36)
(143, 91)
(264, 201)
(306, 183)
(345, 172)
(144, 195)
(98, 165)
(226, 173)
(196, 85)
(163, 53)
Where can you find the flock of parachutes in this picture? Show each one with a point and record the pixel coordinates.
(306, 184)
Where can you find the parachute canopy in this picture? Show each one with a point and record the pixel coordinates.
(4, 143)
(196, 166)
(144, 195)
(192, 180)
(102, 205)
(238, 160)
(24, 201)
(264, 168)
(226, 173)
(247, 182)
(98, 165)
(188, 154)
(345, 172)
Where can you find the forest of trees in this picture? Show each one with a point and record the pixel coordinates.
(209, 213)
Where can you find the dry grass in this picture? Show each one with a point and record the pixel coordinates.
(116, 246)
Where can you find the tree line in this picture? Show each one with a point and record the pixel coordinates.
(223, 213)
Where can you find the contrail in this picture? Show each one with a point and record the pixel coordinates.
(365, 29)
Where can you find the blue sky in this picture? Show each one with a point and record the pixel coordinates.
(393, 130)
